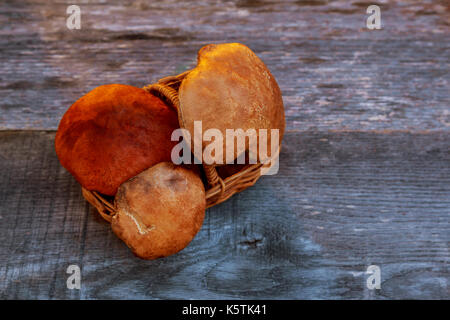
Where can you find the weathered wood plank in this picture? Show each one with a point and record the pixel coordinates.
(334, 73)
(341, 202)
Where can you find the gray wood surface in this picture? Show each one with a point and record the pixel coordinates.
(365, 167)
(334, 73)
(341, 202)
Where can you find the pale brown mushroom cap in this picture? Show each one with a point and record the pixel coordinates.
(231, 88)
(159, 211)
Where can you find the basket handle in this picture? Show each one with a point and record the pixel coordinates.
(167, 92)
(162, 89)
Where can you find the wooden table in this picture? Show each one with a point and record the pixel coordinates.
(364, 172)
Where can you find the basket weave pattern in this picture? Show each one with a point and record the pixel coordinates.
(217, 189)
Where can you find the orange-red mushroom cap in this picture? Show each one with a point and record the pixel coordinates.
(113, 133)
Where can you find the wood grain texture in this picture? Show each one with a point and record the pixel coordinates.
(341, 202)
(333, 72)
(365, 167)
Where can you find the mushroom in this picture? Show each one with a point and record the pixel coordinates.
(159, 211)
(113, 133)
(231, 88)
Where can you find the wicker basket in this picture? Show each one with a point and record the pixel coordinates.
(217, 189)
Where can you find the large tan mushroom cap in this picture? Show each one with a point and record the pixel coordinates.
(159, 211)
(113, 133)
(231, 88)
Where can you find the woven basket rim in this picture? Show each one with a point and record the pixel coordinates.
(233, 184)
(217, 189)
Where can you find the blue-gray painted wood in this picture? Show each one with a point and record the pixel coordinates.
(340, 202)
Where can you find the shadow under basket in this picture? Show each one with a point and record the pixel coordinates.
(217, 189)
